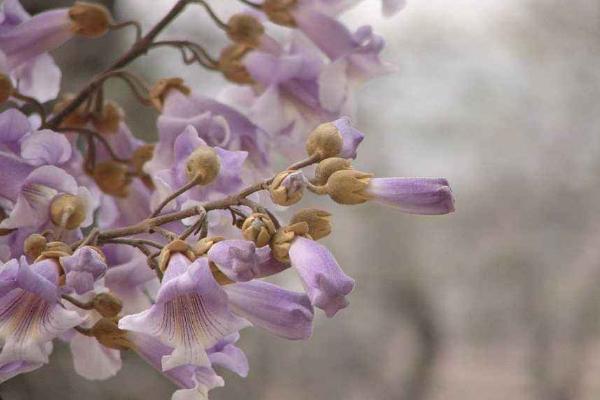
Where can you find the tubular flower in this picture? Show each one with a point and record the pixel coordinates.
(324, 281)
(30, 315)
(83, 268)
(191, 313)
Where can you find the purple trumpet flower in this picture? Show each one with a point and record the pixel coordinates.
(83, 268)
(191, 313)
(324, 281)
(241, 261)
(428, 196)
(30, 315)
(194, 381)
(282, 312)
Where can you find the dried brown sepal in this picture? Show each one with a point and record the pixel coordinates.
(107, 332)
(89, 20)
(110, 118)
(34, 245)
(6, 88)
(280, 194)
(245, 29)
(231, 65)
(67, 211)
(282, 240)
(327, 167)
(259, 229)
(318, 221)
(324, 141)
(107, 305)
(219, 276)
(76, 119)
(112, 178)
(161, 89)
(279, 11)
(348, 186)
(203, 165)
(176, 246)
(203, 245)
(141, 156)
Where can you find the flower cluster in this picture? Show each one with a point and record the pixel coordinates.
(113, 244)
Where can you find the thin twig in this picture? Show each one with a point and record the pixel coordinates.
(96, 135)
(30, 100)
(125, 24)
(212, 15)
(173, 196)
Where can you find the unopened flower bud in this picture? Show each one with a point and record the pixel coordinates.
(67, 211)
(318, 221)
(324, 141)
(107, 305)
(328, 166)
(245, 29)
(6, 88)
(110, 118)
(141, 156)
(109, 335)
(112, 178)
(279, 11)
(258, 228)
(231, 65)
(287, 188)
(348, 186)
(203, 245)
(158, 93)
(34, 245)
(89, 20)
(282, 240)
(203, 165)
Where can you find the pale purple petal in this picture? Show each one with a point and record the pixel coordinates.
(83, 268)
(282, 312)
(324, 281)
(14, 125)
(351, 137)
(14, 172)
(92, 360)
(225, 354)
(46, 147)
(38, 78)
(429, 196)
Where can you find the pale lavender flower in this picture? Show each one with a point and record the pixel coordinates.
(241, 261)
(83, 268)
(216, 123)
(35, 194)
(194, 381)
(429, 196)
(282, 312)
(30, 314)
(323, 279)
(351, 137)
(191, 313)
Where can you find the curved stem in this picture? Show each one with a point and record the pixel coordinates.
(212, 15)
(30, 100)
(93, 134)
(125, 24)
(174, 195)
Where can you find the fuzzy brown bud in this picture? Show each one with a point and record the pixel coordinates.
(203, 165)
(282, 240)
(112, 178)
(287, 188)
(158, 93)
(203, 245)
(327, 167)
(107, 332)
(259, 229)
(107, 305)
(348, 186)
(279, 11)
(67, 211)
(245, 29)
(89, 20)
(6, 88)
(110, 118)
(318, 221)
(231, 65)
(34, 245)
(324, 141)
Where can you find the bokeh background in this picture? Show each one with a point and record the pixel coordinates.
(499, 300)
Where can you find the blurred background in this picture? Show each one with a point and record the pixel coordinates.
(499, 300)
